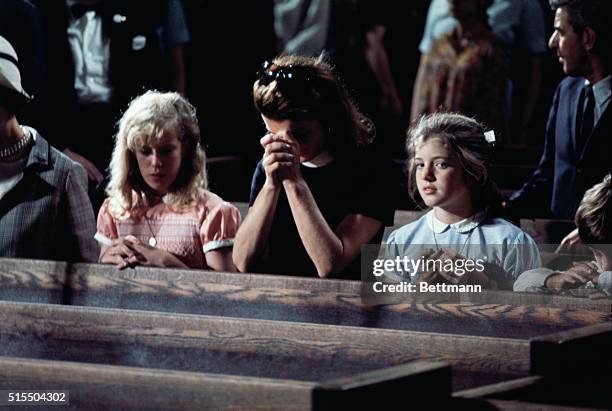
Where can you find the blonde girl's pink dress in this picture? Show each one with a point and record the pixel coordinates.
(209, 225)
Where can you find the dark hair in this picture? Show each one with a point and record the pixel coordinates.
(596, 14)
(465, 136)
(295, 87)
(594, 214)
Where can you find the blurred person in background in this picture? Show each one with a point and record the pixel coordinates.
(465, 70)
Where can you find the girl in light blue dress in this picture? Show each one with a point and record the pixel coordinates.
(449, 172)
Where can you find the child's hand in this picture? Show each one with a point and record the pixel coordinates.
(580, 273)
(120, 252)
(585, 269)
(151, 256)
(564, 280)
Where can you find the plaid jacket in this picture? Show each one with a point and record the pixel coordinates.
(48, 215)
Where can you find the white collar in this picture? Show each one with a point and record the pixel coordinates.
(464, 226)
(320, 160)
(601, 90)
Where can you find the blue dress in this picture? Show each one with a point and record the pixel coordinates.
(491, 240)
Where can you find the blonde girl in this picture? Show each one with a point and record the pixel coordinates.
(159, 212)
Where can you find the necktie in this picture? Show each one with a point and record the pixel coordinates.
(78, 9)
(588, 116)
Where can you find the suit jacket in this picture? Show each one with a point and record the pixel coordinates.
(565, 172)
(48, 215)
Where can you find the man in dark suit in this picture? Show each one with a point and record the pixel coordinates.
(577, 151)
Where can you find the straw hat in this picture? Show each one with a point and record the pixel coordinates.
(10, 78)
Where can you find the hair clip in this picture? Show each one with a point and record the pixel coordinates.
(490, 136)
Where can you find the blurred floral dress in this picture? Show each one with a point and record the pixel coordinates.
(466, 75)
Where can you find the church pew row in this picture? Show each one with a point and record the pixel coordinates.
(569, 367)
(101, 387)
(497, 314)
(320, 362)
(24, 275)
(535, 392)
(247, 347)
(110, 387)
(271, 282)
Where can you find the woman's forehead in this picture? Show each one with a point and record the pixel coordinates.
(274, 125)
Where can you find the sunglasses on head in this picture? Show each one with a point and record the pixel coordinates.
(270, 72)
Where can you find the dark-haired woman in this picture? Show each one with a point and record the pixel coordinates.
(316, 199)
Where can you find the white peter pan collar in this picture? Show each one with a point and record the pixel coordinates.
(320, 160)
(464, 226)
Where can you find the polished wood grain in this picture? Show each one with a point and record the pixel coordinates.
(261, 348)
(107, 387)
(337, 302)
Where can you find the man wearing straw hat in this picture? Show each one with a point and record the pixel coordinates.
(44, 208)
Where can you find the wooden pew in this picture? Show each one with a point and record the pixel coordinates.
(107, 387)
(488, 316)
(247, 347)
(496, 314)
(539, 391)
(119, 350)
(570, 367)
(135, 338)
(564, 355)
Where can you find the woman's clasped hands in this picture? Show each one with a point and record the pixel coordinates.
(281, 159)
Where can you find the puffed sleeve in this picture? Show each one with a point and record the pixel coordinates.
(220, 226)
(106, 227)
